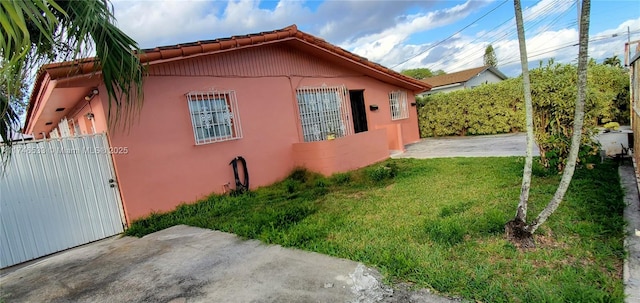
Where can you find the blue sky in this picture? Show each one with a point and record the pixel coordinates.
(448, 35)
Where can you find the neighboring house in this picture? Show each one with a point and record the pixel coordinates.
(276, 98)
(469, 78)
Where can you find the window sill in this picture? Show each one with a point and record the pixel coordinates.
(218, 141)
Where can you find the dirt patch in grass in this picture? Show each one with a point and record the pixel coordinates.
(547, 241)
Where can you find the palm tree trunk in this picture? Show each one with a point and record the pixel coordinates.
(576, 137)
(521, 213)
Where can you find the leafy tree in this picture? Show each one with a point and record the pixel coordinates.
(490, 58)
(554, 91)
(421, 73)
(613, 80)
(40, 31)
(518, 230)
(613, 61)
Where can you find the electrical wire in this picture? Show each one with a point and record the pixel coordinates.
(452, 35)
(476, 52)
(497, 33)
(572, 44)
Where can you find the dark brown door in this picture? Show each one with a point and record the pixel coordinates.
(358, 111)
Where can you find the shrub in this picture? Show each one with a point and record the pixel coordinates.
(292, 185)
(341, 178)
(299, 174)
(382, 172)
(498, 108)
(486, 109)
(612, 126)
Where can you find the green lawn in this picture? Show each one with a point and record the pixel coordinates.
(438, 223)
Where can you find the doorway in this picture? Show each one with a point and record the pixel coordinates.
(358, 111)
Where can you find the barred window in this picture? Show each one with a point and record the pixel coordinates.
(324, 112)
(398, 103)
(214, 116)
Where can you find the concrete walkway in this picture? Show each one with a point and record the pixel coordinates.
(632, 242)
(189, 264)
(503, 145)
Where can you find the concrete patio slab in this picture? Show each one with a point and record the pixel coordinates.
(189, 264)
(503, 145)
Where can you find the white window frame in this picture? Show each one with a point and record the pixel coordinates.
(324, 112)
(398, 105)
(214, 116)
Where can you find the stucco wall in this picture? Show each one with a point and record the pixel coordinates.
(484, 78)
(342, 154)
(164, 167)
(445, 89)
(96, 107)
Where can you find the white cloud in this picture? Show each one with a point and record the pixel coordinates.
(345, 21)
(377, 30)
(382, 46)
(611, 42)
(457, 53)
(172, 22)
(546, 39)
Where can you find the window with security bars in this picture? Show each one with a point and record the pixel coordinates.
(214, 116)
(398, 103)
(325, 112)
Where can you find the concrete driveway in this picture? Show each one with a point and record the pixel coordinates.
(503, 145)
(189, 264)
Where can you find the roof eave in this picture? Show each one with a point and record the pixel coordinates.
(498, 73)
(38, 95)
(448, 85)
(180, 51)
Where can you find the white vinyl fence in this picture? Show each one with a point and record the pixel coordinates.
(56, 194)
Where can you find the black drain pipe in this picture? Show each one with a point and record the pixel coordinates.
(240, 186)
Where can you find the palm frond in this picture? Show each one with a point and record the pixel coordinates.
(91, 22)
(8, 123)
(19, 19)
(33, 31)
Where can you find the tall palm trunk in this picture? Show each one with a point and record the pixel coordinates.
(578, 121)
(521, 213)
(517, 230)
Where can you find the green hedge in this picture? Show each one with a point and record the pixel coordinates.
(499, 108)
(486, 109)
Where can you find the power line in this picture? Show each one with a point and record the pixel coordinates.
(510, 32)
(548, 27)
(572, 44)
(452, 35)
(503, 33)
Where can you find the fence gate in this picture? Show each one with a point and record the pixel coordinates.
(56, 194)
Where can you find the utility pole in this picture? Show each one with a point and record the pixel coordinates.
(628, 54)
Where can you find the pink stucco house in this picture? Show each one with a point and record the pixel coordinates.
(280, 99)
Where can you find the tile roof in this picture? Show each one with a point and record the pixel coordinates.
(87, 66)
(152, 55)
(460, 77)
